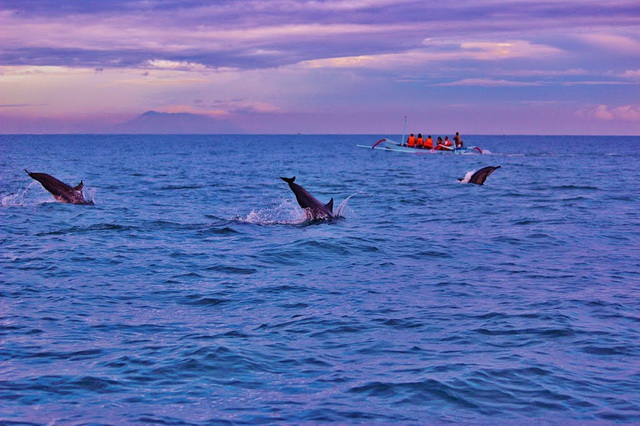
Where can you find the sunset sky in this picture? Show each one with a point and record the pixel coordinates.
(332, 66)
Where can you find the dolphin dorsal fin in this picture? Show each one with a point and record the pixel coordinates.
(329, 205)
(288, 180)
(79, 186)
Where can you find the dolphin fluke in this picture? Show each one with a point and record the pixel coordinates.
(288, 180)
(60, 190)
(481, 175)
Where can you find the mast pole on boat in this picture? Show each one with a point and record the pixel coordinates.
(404, 129)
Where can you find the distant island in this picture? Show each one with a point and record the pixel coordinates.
(154, 122)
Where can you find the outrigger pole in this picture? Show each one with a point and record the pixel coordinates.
(404, 128)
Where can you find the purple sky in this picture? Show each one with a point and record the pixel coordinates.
(332, 66)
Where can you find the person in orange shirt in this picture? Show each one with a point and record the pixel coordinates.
(428, 143)
(439, 144)
(419, 141)
(411, 141)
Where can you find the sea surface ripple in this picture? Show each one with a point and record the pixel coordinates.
(194, 291)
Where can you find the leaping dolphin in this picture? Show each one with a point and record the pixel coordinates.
(60, 190)
(481, 175)
(312, 207)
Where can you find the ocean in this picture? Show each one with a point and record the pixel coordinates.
(195, 291)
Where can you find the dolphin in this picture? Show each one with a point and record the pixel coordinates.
(60, 190)
(312, 207)
(481, 175)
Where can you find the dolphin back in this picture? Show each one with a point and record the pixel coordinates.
(314, 208)
(51, 184)
(60, 190)
(481, 175)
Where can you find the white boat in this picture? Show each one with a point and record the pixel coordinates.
(391, 145)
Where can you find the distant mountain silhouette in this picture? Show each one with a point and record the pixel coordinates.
(154, 122)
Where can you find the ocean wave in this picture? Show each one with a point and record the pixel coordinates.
(189, 296)
(93, 228)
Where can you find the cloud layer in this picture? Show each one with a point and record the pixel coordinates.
(368, 58)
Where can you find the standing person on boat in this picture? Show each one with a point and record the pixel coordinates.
(411, 141)
(420, 141)
(428, 143)
(458, 142)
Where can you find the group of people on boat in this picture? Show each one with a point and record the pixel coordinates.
(420, 142)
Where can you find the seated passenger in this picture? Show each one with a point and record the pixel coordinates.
(411, 141)
(439, 144)
(428, 143)
(419, 141)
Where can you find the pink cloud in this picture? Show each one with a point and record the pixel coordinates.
(606, 113)
(627, 112)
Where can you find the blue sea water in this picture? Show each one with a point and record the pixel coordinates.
(194, 291)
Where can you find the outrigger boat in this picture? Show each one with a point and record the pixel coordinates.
(391, 145)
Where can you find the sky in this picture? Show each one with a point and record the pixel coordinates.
(324, 66)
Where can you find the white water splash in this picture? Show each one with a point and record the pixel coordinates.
(89, 194)
(286, 213)
(17, 199)
(13, 200)
(343, 208)
(467, 177)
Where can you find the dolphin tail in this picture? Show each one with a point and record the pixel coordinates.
(329, 205)
(288, 180)
(79, 186)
